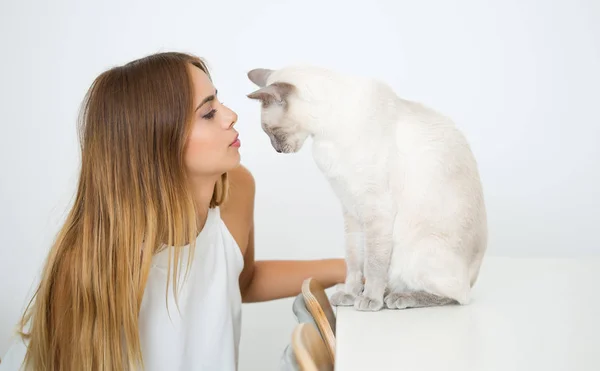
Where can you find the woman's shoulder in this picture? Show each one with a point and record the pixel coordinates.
(241, 191)
(237, 212)
(241, 181)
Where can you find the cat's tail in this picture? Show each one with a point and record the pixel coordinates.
(415, 299)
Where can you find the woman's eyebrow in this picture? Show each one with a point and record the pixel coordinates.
(207, 99)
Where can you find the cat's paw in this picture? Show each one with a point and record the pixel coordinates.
(366, 303)
(342, 298)
(354, 288)
(395, 300)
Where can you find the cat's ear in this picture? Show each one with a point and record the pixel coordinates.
(259, 76)
(276, 92)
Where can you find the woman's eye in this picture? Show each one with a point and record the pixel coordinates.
(210, 115)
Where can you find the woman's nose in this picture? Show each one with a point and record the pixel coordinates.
(231, 118)
(234, 119)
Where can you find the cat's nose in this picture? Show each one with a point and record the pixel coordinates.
(275, 144)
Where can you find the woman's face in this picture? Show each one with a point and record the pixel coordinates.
(213, 145)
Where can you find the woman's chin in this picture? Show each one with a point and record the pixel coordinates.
(235, 161)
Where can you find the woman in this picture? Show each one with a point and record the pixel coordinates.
(157, 252)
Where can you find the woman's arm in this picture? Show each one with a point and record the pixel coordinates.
(269, 279)
(281, 279)
(276, 279)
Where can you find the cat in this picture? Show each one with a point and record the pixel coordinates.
(406, 178)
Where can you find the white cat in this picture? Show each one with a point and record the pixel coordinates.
(406, 178)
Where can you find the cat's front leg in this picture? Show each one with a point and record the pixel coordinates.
(354, 238)
(378, 250)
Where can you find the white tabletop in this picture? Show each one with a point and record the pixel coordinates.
(525, 314)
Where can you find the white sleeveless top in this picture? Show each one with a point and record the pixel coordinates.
(203, 332)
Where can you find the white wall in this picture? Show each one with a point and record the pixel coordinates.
(521, 78)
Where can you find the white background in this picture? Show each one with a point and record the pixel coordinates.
(520, 78)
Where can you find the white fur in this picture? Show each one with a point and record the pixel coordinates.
(405, 176)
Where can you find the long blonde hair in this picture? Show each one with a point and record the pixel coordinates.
(132, 199)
